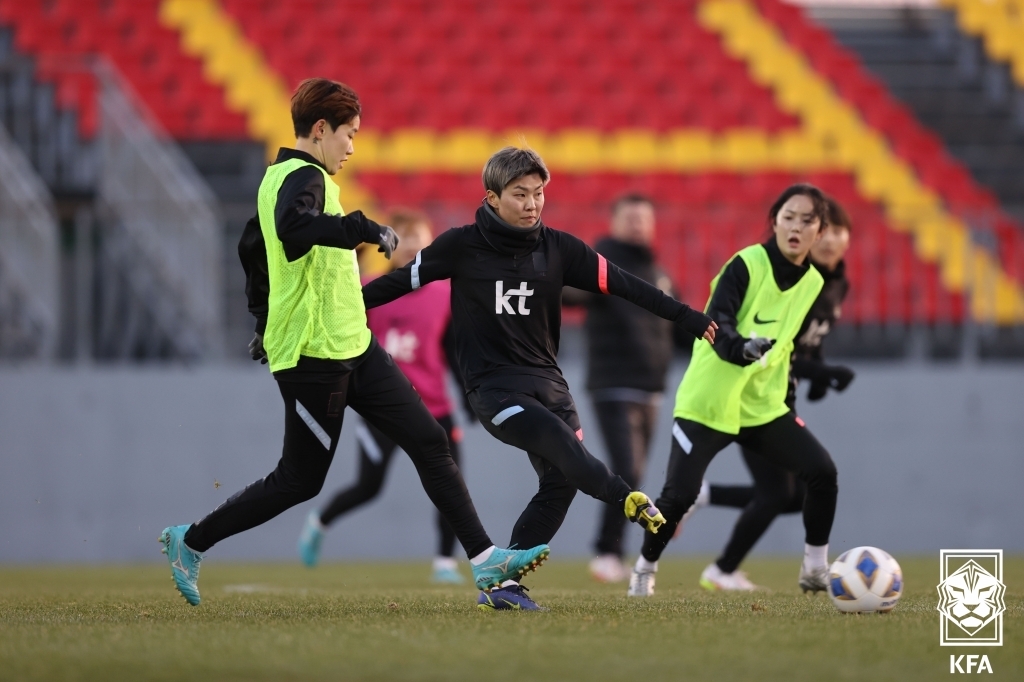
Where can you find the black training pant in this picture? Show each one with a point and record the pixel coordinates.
(375, 452)
(378, 391)
(784, 441)
(538, 415)
(627, 428)
(775, 491)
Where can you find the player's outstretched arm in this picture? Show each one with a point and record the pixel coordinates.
(301, 223)
(435, 262)
(588, 270)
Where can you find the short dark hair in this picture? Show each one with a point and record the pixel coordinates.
(510, 163)
(631, 198)
(837, 215)
(320, 98)
(801, 189)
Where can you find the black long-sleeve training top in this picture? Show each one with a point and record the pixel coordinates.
(808, 360)
(507, 293)
(628, 346)
(732, 288)
(301, 224)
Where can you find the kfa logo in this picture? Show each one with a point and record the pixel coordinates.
(501, 298)
(972, 663)
(971, 594)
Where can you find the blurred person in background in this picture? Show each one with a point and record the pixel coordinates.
(507, 271)
(416, 332)
(775, 490)
(629, 351)
(736, 390)
(303, 285)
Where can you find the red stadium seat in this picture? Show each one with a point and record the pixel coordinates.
(62, 33)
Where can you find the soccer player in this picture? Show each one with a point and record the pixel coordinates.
(507, 271)
(303, 286)
(415, 332)
(775, 490)
(736, 391)
(629, 351)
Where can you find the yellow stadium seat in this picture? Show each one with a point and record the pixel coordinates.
(636, 150)
(405, 149)
(745, 150)
(689, 150)
(576, 150)
(462, 151)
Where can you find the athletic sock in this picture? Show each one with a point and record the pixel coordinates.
(815, 557)
(482, 556)
(645, 566)
(704, 496)
(318, 522)
(445, 563)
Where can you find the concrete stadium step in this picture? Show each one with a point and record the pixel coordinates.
(944, 77)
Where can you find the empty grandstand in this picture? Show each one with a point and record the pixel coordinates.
(709, 106)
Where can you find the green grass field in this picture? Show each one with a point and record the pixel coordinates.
(385, 622)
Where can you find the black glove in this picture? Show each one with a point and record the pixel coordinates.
(754, 349)
(835, 377)
(817, 390)
(388, 241)
(256, 351)
(694, 322)
(839, 377)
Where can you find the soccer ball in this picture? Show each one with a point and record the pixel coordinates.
(865, 579)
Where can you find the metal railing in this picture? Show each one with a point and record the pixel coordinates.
(159, 269)
(29, 277)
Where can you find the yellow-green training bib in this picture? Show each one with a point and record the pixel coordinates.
(726, 397)
(316, 302)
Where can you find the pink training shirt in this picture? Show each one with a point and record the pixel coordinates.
(410, 328)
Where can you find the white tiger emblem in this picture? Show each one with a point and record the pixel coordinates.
(971, 597)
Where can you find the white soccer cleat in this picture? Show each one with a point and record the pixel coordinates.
(714, 579)
(641, 584)
(814, 580)
(608, 568)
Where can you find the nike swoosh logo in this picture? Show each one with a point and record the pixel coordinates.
(758, 320)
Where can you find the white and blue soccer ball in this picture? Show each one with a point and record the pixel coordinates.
(865, 580)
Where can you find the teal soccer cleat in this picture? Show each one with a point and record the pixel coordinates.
(310, 539)
(508, 564)
(184, 562)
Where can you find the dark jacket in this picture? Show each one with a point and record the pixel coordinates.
(507, 293)
(628, 346)
(808, 361)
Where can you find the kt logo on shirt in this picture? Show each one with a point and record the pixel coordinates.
(501, 298)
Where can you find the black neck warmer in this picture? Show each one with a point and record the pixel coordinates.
(512, 241)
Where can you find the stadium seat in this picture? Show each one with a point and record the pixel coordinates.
(128, 34)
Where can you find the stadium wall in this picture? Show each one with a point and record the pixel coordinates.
(97, 461)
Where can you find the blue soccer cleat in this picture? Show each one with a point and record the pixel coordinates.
(511, 598)
(184, 562)
(446, 572)
(310, 539)
(508, 564)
